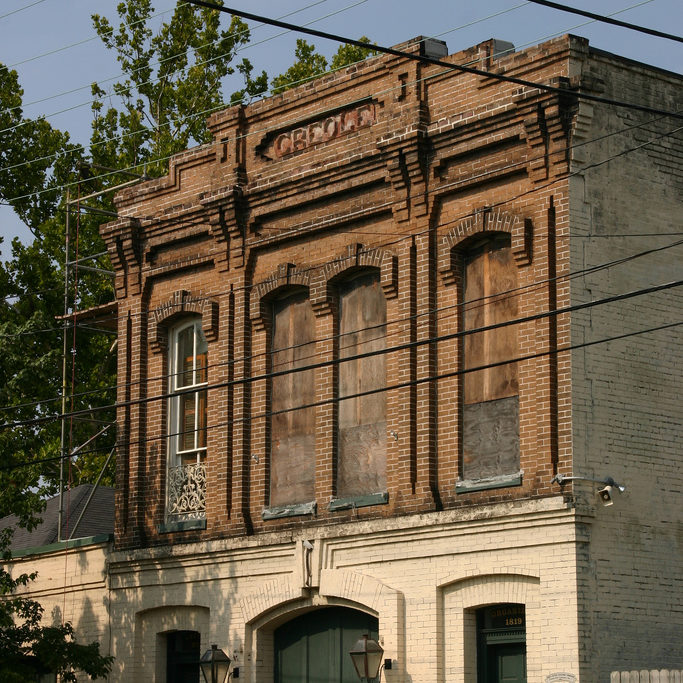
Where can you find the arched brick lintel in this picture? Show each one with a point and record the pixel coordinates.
(180, 304)
(482, 222)
(285, 275)
(508, 585)
(461, 596)
(277, 601)
(353, 257)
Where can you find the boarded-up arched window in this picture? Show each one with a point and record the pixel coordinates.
(491, 395)
(361, 448)
(292, 424)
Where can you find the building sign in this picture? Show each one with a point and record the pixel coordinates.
(505, 616)
(322, 130)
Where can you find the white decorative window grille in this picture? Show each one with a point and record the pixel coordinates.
(186, 472)
(187, 491)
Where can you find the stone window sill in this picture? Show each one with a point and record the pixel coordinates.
(359, 501)
(185, 525)
(294, 510)
(498, 482)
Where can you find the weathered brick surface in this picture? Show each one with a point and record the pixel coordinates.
(626, 394)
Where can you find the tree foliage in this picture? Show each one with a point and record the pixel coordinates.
(30, 346)
(310, 64)
(173, 79)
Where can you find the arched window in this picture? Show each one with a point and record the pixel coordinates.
(187, 426)
(362, 421)
(490, 395)
(292, 423)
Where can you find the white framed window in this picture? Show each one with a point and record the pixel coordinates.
(186, 487)
(187, 374)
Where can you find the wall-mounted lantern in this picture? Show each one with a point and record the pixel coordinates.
(214, 665)
(366, 655)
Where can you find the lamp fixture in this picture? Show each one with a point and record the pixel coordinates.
(605, 494)
(366, 656)
(214, 665)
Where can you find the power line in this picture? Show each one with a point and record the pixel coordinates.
(338, 361)
(569, 175)
(596, 164)
(438, 62)
(251, 45)
(81, 42)
(536, 189)
(516, 292)
(222, 105)
(393, 387)
(158, 63)
(607, 20)
(209, 145)
(21, 9)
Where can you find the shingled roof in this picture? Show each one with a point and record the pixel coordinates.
(98, 518)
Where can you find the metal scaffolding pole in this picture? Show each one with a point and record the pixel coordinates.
(62, 440)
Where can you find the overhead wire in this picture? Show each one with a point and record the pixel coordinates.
(156, 63)
(180, 54)
(81, 42)
(451, 221)
(222, 105)
(402, 385)
(608, 20)
(503, 77)
(339, 360)
(518, 291)
(403, 236)
(208, 111)
(618, 155)
(21, 9)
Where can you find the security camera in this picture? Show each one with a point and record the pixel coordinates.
(605, 495)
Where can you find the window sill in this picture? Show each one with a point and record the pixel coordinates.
(358, 501)
(294, 510)
(498, 482)
(186, 525)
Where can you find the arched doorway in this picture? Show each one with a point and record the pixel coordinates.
(314, 647)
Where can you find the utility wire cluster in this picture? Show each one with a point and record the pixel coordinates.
(468, 69)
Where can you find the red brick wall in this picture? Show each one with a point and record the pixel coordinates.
(447, 156)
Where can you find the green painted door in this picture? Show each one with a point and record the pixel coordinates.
(501, 644)
(314, 648)
(507, 663)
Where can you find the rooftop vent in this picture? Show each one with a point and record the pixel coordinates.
(433, 48)
(502, 48)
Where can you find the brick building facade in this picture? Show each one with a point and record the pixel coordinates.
(344, 392)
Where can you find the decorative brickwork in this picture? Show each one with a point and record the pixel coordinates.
(182, 303)
(486, 220)
(355, 256)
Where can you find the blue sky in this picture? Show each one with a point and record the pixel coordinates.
(53, 47)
